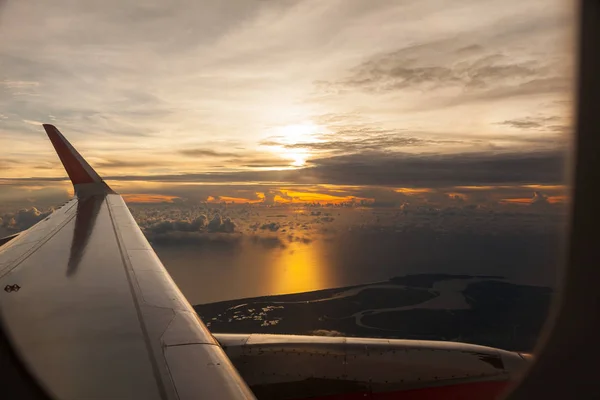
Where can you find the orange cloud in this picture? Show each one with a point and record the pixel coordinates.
(148, 198)
(412, 190)
(478, 187)
(293, 197)
(546, 187)
(557, 199)
(458, 195)
(528, 200)
(521, 201)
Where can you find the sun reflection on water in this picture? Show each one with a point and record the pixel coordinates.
(299, 268)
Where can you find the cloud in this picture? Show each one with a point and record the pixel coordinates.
(359, 138)
(272, 226)
(405, 170)
(24, 218)
(483, 64)
(168, 223)
(325, 219)
(396, 71)
(161, 227)
(256, 77)
(9, 163)
(266, 163)
(383, 169)
(536, 123)
(206, 153)
(184, 225)
(236, 160)
(271, 196)
(476, 60)
(125, 164)
(219, 224)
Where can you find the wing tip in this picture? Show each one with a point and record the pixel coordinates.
(79, 171)
(50, 129)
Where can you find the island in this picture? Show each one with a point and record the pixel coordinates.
(485, 310)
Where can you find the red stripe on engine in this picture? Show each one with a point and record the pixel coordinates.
(464, 391)
(74, 169)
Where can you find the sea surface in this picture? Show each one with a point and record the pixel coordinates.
(248, 266)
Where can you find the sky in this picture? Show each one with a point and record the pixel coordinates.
(293, 145)
(289, 101)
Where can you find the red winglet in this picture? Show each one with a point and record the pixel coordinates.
(78, 169)
(86, 181)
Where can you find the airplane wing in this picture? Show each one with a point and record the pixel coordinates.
(88, 311)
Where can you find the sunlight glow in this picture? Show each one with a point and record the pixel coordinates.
(291, 137)
(297, 133)
(299, 268)
(298, 156)
(315, 197)
(413, 190)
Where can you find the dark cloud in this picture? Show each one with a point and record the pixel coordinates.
(184, 225)
(442, 170)
(391, 169)
(272, 226)
(523, 123)
(267, 165)
(479, 73)
(536, 123)
(207, 153)
(220, 224)
(24, 218)
(397, 70)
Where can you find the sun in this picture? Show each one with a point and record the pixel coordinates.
(292, 137)
(297, 133)
(298, 156)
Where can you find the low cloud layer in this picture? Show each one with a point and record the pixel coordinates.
(23, 219)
